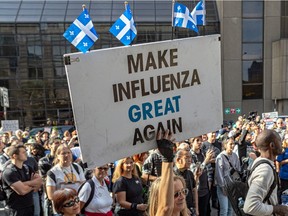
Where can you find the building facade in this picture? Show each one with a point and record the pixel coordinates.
(253, 58)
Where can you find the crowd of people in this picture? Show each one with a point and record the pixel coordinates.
(44, 175)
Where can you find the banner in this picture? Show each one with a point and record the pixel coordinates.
(123, 96)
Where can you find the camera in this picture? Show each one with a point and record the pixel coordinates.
(252, 116)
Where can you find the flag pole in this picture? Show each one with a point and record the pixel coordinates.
(83, 7)
(173, 28)
(125, 5)
(204, 23)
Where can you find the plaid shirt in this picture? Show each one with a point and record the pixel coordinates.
(153, 164)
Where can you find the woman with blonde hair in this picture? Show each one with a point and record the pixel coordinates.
(180, 207)
(168, 193)
(128, 189)
(64, 173)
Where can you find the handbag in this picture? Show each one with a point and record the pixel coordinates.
(234, 174)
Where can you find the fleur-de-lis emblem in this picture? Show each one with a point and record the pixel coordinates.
(86, 16)
(128, 37)
(71, 33)
(117, 27)
(85, 44)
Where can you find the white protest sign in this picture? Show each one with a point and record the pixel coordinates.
(4, 97)
(122, 96)
(9, 125)
(270, 115)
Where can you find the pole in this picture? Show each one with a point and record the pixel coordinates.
(5, 113)
(173, 28)
(83, 7)
(204, 22)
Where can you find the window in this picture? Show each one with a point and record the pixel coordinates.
(252, 49)
(252, 30)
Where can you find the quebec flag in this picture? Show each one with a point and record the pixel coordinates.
(81, 33)
(199, 13)
(124, 28)
(182, 17)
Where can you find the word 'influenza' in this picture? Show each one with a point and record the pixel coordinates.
(164, 83)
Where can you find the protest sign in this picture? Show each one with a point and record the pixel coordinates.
(123, 96)
(9, 125)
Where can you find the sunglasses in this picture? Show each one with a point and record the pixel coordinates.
(71, 203)
(184, 192)
(103, 168)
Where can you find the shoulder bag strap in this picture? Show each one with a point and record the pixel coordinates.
(275, 182)
(92, 185)
(76, 168)
(228, 161)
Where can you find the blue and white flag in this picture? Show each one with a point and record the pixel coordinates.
(124, 28)
(81, 33)
(182, 17)
(199, 13)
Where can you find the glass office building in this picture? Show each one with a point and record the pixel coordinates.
(253, 50)
(32, 48)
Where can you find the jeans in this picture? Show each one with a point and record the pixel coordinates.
(36, 202)
(225, 205)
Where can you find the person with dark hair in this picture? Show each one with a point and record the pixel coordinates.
(226, 161)
(264, 177)
(66, 202)
(45, 164)
(37, 151)
(19, 182)
(215, 146)
(101, 202)
(199, 160)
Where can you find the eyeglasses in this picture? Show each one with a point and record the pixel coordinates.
(103, 168)
(127, 163)
(184, 192)
(71, 203)
(65, 153)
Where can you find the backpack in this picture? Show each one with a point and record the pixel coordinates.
(53, 177)
(92, 185)
(3, 195)
(237, 189)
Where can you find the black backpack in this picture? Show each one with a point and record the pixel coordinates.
(53, 177)
(92, 185)
(238, 188)
(3, 195)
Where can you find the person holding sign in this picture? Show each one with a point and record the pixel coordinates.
(128, 189)
(167, 193)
